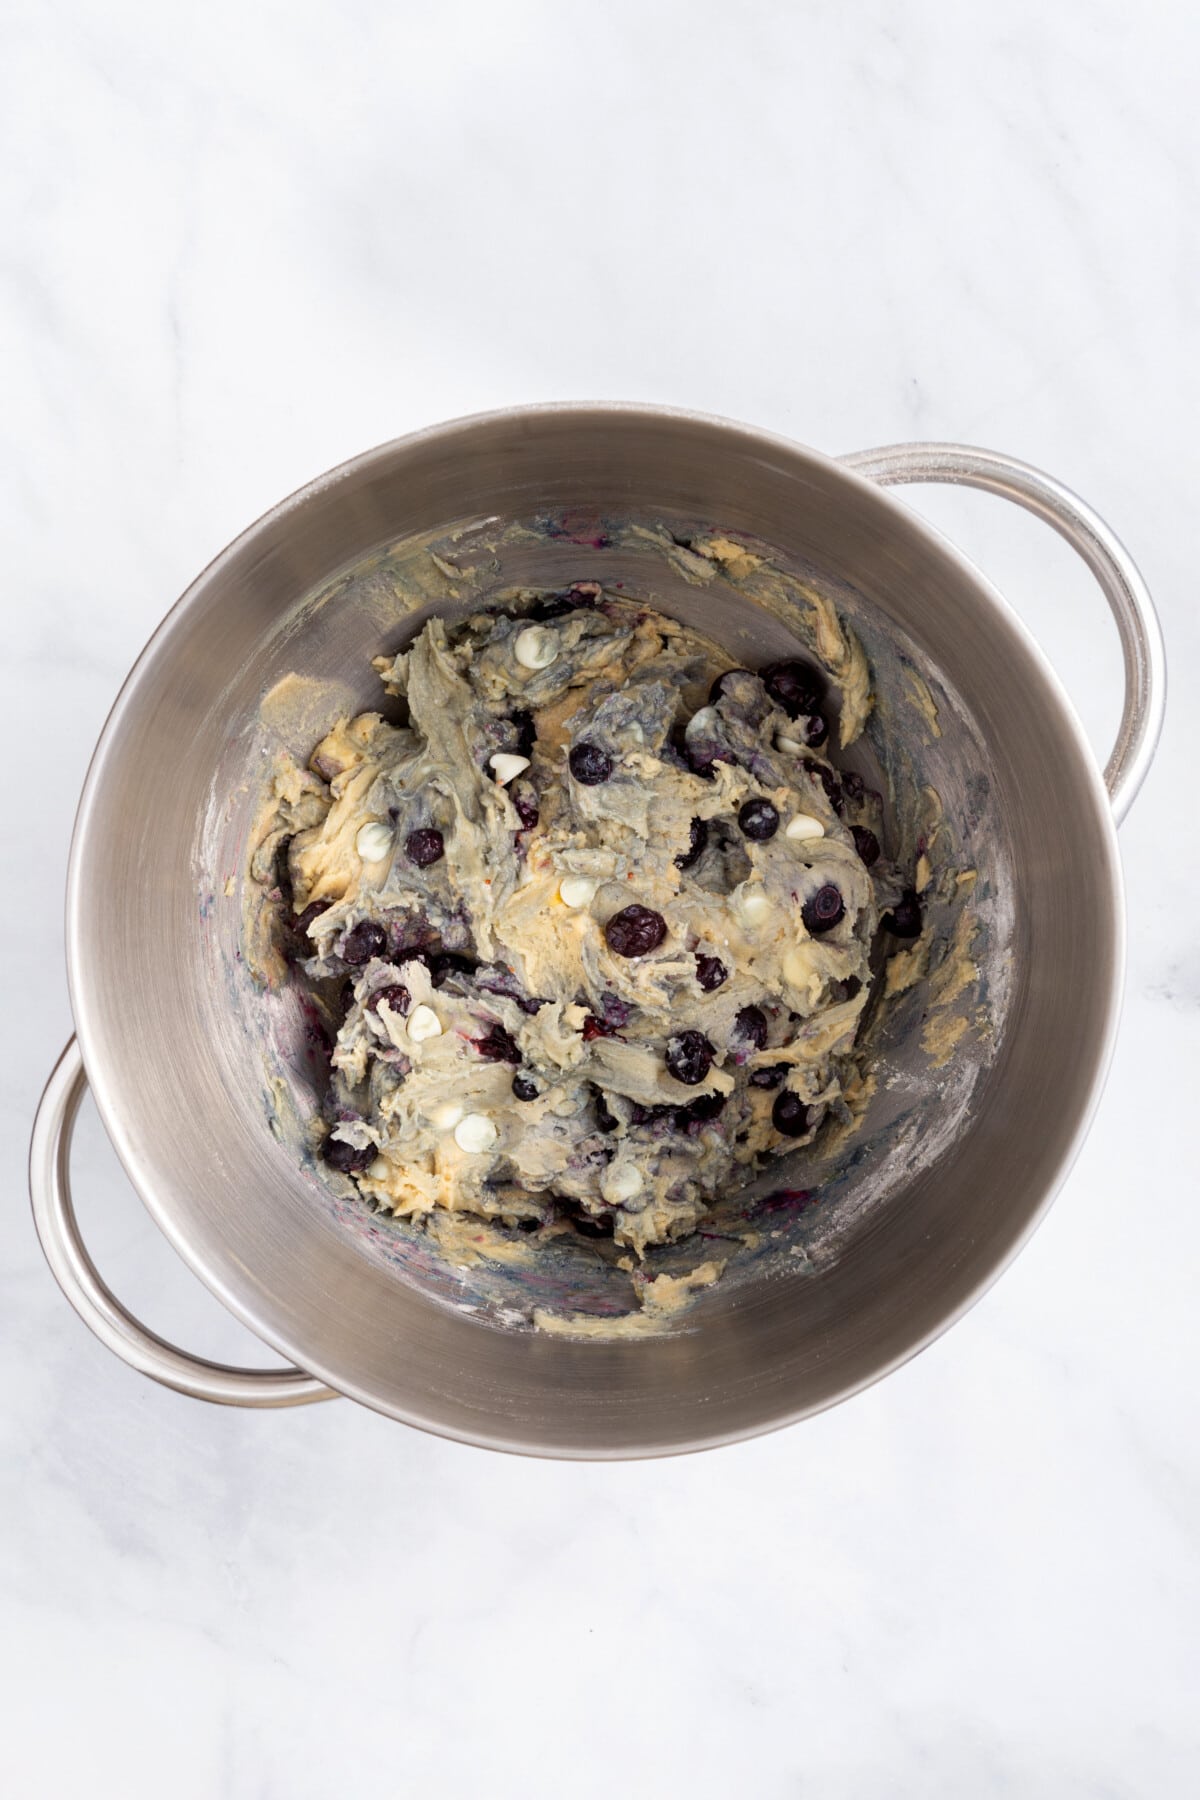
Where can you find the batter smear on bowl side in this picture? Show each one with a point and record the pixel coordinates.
(598, 915)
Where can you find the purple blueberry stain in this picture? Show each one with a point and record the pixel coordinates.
(795, 1200)
(498, 1045)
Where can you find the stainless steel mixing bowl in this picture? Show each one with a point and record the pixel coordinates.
(160, 1003)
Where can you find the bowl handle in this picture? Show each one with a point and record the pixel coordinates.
(1103, 552)
(76, 1274)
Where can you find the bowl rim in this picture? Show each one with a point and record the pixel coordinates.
(109, 1104)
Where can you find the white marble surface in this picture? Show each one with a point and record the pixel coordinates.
(241, 242)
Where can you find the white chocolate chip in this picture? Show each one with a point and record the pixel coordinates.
(700, 724)
(803, 827)
(373, 842)
(750, 904)
(621, 1182)
(536, 647)
(784, 742)
(446, 1114)
(475, 1133)
(423, 1023)
(800, 972)
(379, 1169)
(506, 766)
(577, 890)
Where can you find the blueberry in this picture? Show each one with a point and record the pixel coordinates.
(363, 941)
(689, 1057)
(527, 812)
(424, 847)
(848, 989)
(498, 1046)
(769, 1077)
(710, 973)
(608, 1021)
(590, 764)
(698, 1112)
(302, 921)
(700, 762)
(717, 689)
(297, 943)
(822, 910)
(904, 920)
(853, 785)
(828, 780)
(866, 843)
(758, 820)
(751, 1025)
(398, 998)
(697, 839)
(345, 1158)
(523, 1088)
(497, 978)
(794, 686)
(816, 730)
(635, 931)
(790, 1116)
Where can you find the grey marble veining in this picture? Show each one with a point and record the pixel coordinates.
(244, 242)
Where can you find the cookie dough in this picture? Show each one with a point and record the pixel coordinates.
(596, 913)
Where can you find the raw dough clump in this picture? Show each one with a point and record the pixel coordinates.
(598, 912)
